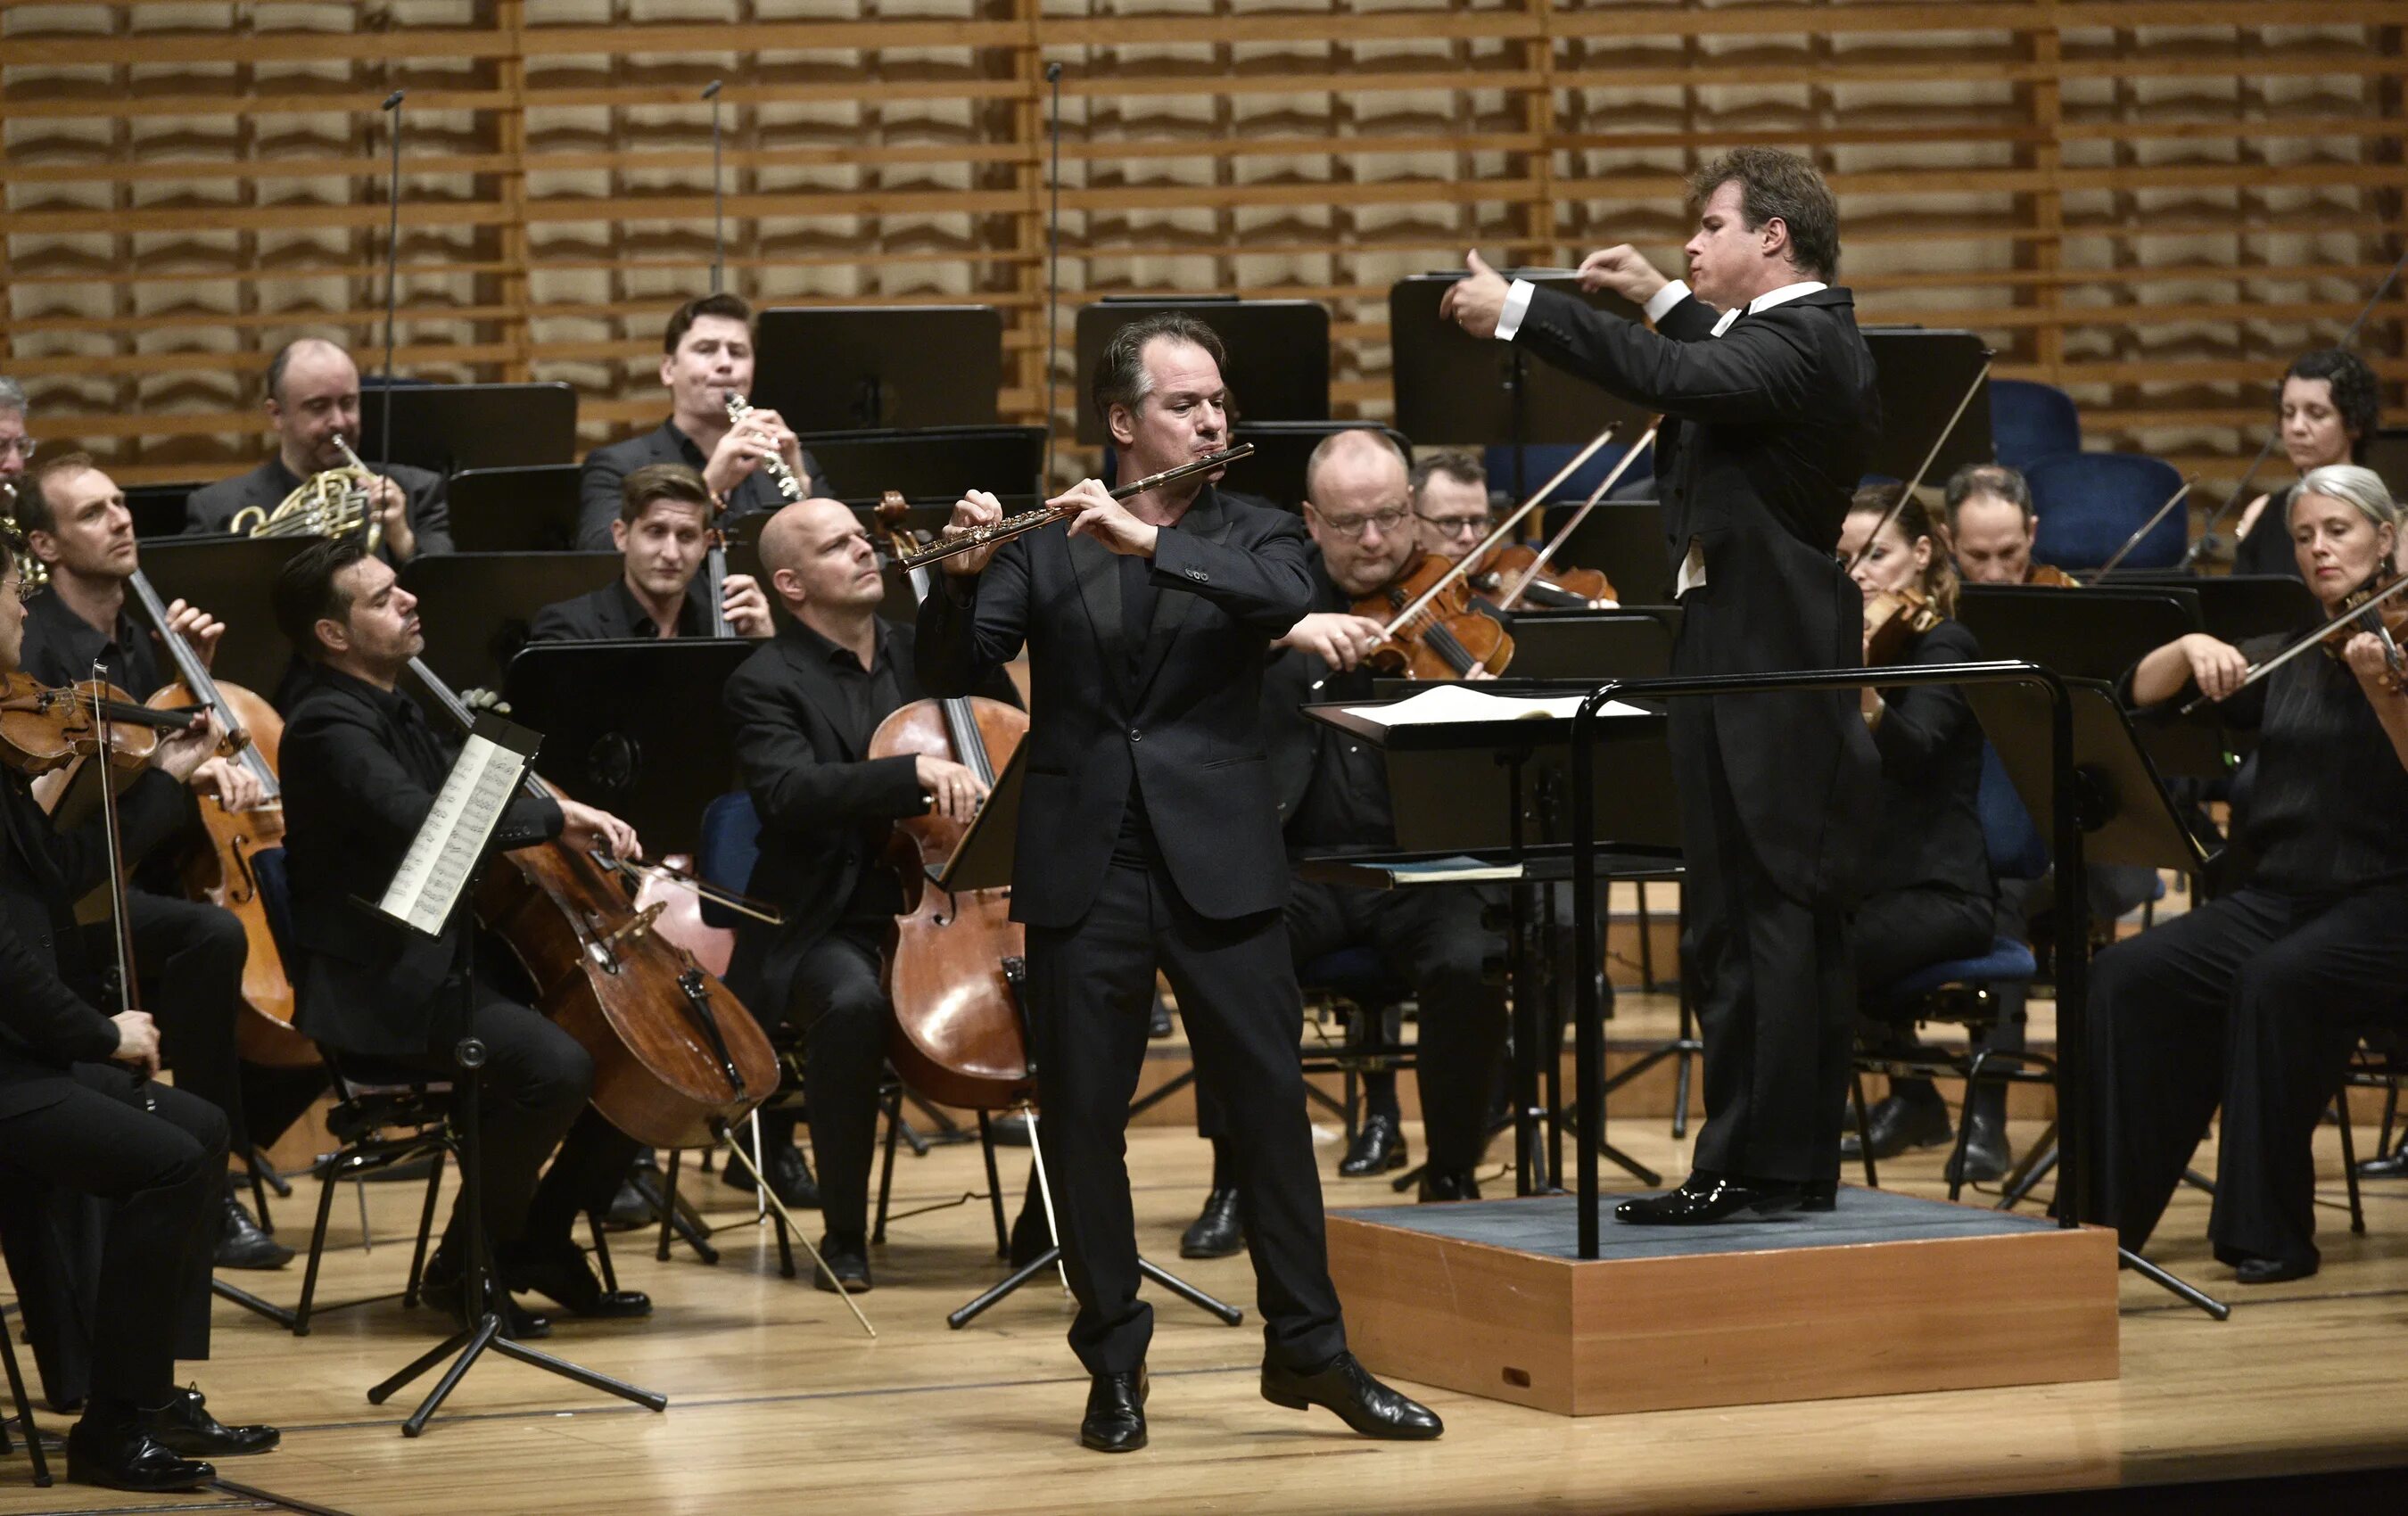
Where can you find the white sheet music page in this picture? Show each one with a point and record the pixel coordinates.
(1447, 703)
(442, 858)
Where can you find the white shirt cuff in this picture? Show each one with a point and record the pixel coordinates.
(1518, 305)
(1660, 303)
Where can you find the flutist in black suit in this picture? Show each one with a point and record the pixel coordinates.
(1769, 409)
(1149, 839)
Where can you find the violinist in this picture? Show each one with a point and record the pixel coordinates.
(804, 706)
(1928, 894)
(79, 1111)
(189, 954)
(2255, 1000)
(660, 533)
(705, 356)
(1451, 509)
(313, 405)
(1333, 791)
(16, 447)
(1990, 519)
(361, 769)
(2328, 409)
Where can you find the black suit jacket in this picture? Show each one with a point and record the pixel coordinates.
(1186, 723)
(612, 614)
(1926, 826)
(210, 510)
(46, 1021)
(1764, 439)
(600, 492)
(360, 772)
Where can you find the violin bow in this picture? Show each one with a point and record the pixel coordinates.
(2145, 528)
(113, 831)
(2259, 671)
(1539, 563)
(1928, 458)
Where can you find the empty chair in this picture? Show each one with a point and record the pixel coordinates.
(2089, 503)
(2029, 422)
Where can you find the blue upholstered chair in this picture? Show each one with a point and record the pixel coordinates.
(2089, 503)
(2030, 420)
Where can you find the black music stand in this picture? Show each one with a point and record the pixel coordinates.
(1624, 540)
(829, 368)
(1458, 390)
(476, 607)
(1921, 376)
(2386, 453)
(450, 427)
(531, 508)
(1282, 449)
(436, 879)
(1589, 645)
(934, 463)
(158, 510)
(983, 861)
(633, 728)
(1278, 367)
(2236, 607)
(230, 577)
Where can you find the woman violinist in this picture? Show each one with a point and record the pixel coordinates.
(2328, 410)
(2255, 1000)
(1927, 875)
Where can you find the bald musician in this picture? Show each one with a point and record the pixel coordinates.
(313, 396)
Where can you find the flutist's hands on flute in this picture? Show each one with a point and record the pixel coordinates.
(1106, 520)
(971, 511)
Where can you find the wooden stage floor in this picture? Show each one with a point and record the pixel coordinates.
(777, 1402)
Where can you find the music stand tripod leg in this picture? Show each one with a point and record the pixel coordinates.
(728, 1139)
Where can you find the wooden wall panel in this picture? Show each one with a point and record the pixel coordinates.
(2152, 203)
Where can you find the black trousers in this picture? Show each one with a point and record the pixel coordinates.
(843, 1013)
(1432, 940)
(1772, 984)
(1896, 932)
(2253, 1001)
(188, 958)
(1090, 996)
(164, 1170)
(532, 1098)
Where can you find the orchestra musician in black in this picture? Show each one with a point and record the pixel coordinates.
(1149, 841)
(2328, 410)
(2252, 1002)
(662, 533)
(362, 767)
(1770, 410)
(80, 1111)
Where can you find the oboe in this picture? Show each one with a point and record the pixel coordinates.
(738, 412)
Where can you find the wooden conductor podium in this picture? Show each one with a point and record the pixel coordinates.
(1886, 1294)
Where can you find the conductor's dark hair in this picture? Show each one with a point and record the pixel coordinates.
(1121, 378)
(731, 306)
(662, 481)
(307, 592)
(2352, 392)
(1775, 183)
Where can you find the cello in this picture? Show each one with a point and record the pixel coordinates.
(227, 873)
(956, 1037)
(677, 1058)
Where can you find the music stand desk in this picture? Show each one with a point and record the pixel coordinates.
(450, 427)
(827, 368)
(232, 578)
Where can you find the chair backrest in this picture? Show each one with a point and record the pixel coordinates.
(1539, 461)
(2030, 420)
(729, 847)
(2018, 849)
(2091, 503)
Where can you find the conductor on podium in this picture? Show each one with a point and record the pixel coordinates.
(1767, 391)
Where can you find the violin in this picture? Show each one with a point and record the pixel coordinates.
(1550, 588)
(1895, 622)
(1433, 631)
(956, 1037)
(46, 729)
(2049, 576)
(2371, 607)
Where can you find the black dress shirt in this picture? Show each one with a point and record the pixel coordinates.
(210, 510)
(612, 614)
(2267, 547)
(600, 491)
(866, 696)
(60, 647)
(2327, 810)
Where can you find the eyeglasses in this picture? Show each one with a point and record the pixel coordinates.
(22, 446)
(1386, 520)
(23, 589)
(1459, 525)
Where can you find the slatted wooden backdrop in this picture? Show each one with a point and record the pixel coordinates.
(2152, 203)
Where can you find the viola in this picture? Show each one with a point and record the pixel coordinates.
(956, 1037)
(2371, 607)
(1895, 622)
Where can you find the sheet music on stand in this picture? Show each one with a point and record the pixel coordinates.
(442, 859)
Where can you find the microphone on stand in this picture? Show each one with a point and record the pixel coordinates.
(1053, 269)
(392, 275)
(718, 197)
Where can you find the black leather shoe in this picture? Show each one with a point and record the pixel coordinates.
(443, 1286)
(2391, 1165)
(1218, 1232)
(120, 1454)
(1449, 1184)
(1987, 1154)
(790, 1177)
(1898, 1124)
(847, 1256)
(1157, 1024)
(184, 1425)
(1821, 1196)
(1115, 1419)
(1362, 1402)
(241, 1244)
(560, 1272)
(1704, 1199)
(1378, 1147)
(2269, 1270)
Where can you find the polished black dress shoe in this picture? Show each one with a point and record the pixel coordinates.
(1898, 1125)
(2391, 1165)
(1158, 1022)
(846, 1257)
(790, 1177)
(560, 1272)
(1218, 1232)
(118, 1452)
(1345, 1387)
(1449, 1184)
(1704, 1199)
(1378, 1147)
(444, 1287)
(241, 1244)
(1115, 1419)
(2269, 1270)
(184, 1425)
(1987, 1154)
(1820, 1196)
